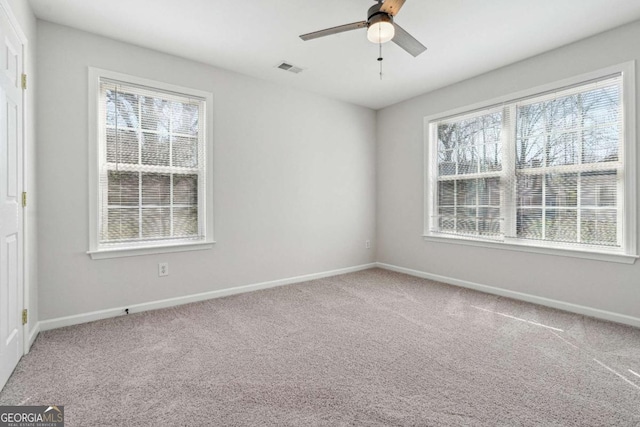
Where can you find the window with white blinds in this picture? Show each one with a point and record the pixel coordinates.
(545, 170)
(151, 166)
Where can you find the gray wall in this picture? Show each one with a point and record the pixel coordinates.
(27, 20)
(294, 181)
(603, 285)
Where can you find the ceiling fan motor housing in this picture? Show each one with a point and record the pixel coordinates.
(374, 15)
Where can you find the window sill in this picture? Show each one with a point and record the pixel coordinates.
(529, 247)
(149, 250)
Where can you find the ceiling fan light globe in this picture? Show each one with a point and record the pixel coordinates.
(381, 32)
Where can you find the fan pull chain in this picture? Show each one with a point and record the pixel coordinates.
(380, 59)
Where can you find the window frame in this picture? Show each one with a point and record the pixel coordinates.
(627, 253)
(97, 251)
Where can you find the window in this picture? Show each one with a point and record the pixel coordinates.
(151, 176)
(550, 170)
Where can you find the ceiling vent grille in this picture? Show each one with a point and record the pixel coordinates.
(289, 67)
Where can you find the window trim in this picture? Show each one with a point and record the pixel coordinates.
(159, 246)
(628, 149)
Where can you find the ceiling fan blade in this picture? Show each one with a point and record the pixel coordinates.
(334, 30)
(407, 41)
(392, 7)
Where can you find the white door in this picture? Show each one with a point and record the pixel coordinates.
(11, 215)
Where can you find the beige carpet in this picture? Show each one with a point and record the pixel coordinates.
(368, 348)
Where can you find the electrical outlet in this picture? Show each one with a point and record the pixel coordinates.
(163, 269)
(367, 244)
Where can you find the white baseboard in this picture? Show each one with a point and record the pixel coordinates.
(561, 305)
(60, 322)
(45, 325)
(33, 334)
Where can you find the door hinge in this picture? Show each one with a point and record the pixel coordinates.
(24, 199)
(24, 82)
(25, 316)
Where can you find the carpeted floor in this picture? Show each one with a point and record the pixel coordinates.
(368, 348)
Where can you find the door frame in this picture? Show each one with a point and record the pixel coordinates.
(26, 279)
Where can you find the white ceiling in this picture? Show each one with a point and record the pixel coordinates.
(464, 37)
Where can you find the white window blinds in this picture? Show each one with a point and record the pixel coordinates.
(547, 169)
(152, 165)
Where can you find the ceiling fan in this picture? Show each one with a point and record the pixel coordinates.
(380, 27)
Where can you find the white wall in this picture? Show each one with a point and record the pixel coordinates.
(27, 21)
(596, 284)
(294, 188)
